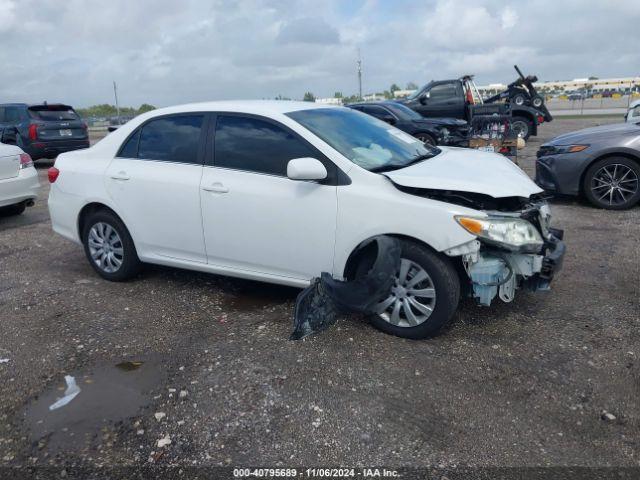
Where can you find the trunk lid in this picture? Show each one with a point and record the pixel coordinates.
(57, 122)
(466, 170)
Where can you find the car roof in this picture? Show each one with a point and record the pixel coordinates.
(378, 102)
(264, 107)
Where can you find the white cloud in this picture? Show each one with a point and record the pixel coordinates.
(166, 52)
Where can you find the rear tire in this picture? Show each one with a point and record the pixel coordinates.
(522, 126)
(537, 101)
(15, 209)
(109, 247)
(441, 278)
(613, 183)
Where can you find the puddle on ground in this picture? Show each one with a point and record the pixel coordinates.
(108, 394)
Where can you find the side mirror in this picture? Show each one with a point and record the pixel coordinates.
(424, 97)
(306, 168)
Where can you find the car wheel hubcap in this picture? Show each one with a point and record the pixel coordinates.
(105, 247)
(412, 297)
(614, 184)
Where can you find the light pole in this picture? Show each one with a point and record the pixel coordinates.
(115, 93)
(359, 76)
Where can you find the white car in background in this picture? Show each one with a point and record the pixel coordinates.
(282, 191)
(633, 114)
(18, 180)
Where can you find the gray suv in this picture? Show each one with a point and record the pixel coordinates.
(43, 130)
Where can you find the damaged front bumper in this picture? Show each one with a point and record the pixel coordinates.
(494, 272)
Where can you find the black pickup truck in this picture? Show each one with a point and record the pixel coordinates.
(460, 99)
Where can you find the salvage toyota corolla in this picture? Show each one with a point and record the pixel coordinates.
(282, 191)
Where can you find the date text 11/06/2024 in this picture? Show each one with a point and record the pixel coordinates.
(314, 472)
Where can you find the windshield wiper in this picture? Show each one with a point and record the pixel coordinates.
(395, 166)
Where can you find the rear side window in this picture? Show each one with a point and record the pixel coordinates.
(172, 139)
(130, 148)
(12, 114)
(246, 143)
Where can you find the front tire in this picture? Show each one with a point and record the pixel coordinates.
(613, 183)
(426, 139)
(424, 298)
(109, 247)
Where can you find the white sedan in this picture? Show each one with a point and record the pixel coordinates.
(18, 180)
(282, 191)
(633, 112)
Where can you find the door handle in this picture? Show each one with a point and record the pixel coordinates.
(216, 188)
(120, 176)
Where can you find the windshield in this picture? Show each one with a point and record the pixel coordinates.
(366, 141)
(53, 113)
(417, 92)
(403, 111)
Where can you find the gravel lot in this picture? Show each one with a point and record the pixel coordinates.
(520, 384)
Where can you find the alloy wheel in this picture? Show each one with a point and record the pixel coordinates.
(614, 184)
(105, 247)
(412, 297)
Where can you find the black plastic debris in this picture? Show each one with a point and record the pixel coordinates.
(318, 306)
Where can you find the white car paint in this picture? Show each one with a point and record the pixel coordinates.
(267, 227)
(470, 175)
(16, 184)
(633, 113)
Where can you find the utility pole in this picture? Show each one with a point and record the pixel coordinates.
(359, 76)
(115, 93)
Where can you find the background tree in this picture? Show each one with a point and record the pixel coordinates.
(337, 95)
(309, 97)
(394, 88)
(145, 107)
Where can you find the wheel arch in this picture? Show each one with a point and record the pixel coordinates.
(358, 253)
(602, 156)
(91, 208)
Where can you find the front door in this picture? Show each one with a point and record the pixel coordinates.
(155, 184)
(443, 100)
(255, 218)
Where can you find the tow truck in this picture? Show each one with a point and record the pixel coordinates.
(460, 98)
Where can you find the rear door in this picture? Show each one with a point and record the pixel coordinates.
(155, 184)
(57, 122)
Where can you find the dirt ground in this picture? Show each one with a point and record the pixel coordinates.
(551, 379)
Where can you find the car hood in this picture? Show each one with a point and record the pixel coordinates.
(467, 170)
(587, 134)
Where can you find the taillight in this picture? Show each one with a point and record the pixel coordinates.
(540, 119)
(25, 160)
(53, 173)
(33, 132)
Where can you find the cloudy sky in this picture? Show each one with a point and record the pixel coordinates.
(174, 51)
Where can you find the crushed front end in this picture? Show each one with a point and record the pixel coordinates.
(522, 251)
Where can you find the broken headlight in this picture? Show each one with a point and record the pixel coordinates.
(514, 234)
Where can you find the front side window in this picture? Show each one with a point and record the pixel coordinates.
(172, 139)
(247, 143)
(635, 113)
(366, 141)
